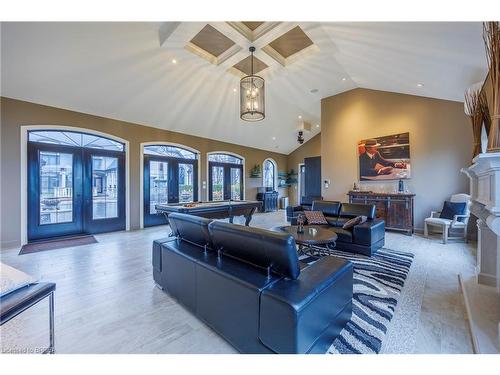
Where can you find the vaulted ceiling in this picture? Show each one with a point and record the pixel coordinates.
(184, 76)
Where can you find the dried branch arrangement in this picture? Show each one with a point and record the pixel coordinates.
(491, 36)
(473, 106)
(485, 111)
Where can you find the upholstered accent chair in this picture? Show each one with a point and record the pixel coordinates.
(452, 229)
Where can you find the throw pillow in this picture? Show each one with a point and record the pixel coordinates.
(354, 221)
(315, 217)
(451, 209)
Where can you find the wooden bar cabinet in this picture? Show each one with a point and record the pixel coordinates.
(395, 208)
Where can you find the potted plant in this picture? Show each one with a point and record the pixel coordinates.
(255, 171)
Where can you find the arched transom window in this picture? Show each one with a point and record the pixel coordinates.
(75, 139)
(170, 151)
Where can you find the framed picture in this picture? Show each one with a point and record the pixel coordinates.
(384, 158)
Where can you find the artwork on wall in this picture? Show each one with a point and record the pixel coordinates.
(384, 158)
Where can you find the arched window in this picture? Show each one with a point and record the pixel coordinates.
(269, 175)
(76, 184)
(225, 177)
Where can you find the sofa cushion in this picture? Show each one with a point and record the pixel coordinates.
(331, 220)
(354, 221)
(450, 209)
(193, 229)
(357, 209)
(260, 247)
(315, 217)
(329, 208)
(341, 221)
(343, 235)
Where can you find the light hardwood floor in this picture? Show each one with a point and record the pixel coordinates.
(106, 301)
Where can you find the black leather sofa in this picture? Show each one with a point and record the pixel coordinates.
(364, 238)
(249, 286)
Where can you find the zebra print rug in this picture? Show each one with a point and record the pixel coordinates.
(377, 285)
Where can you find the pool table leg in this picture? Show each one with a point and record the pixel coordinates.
(248, 217)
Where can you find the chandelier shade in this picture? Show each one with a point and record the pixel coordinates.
(252, 96)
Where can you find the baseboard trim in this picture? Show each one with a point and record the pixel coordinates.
(7, 245)
(487, 279)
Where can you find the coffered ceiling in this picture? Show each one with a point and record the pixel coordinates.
(184, 76)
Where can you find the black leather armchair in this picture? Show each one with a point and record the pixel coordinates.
(364, 238)
(249, 286)
(305, 205)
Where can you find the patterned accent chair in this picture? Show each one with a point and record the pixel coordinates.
(452, 229)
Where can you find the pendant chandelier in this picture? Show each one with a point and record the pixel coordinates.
(252, 96)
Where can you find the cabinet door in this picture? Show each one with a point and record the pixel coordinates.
(380, 209)
(399, 214)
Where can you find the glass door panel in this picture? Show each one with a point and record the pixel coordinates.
(56, 187)
(104, 191)
(235, 184)
(302, 184)
(104, 187)
(186, 186)
(217, 175)
(158, 184)
(55, 201)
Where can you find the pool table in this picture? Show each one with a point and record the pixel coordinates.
(213, 210)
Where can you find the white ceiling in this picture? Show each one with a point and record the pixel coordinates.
(125, 71)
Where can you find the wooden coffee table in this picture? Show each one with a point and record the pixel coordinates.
(313, 241)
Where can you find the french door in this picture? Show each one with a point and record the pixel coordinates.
(225, 181)
(73, 190)
(167, 180)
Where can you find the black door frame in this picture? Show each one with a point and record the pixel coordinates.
(227, 177)
(82, 223)
(172, 185)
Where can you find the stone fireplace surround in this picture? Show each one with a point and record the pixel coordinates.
(482, 294)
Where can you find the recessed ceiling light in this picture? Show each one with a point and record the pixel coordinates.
(174, 61)
(234, 90)
(344, 79)
(274, 138)
(314, 91)
(317, 125)
(300, 116)
(420, 85)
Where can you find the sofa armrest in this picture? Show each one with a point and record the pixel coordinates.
(156, 256)
(435, 213)
(294, 314)
(369, 232)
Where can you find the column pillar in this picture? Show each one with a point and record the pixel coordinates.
(487, 262)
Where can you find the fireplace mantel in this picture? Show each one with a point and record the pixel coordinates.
(484, 175)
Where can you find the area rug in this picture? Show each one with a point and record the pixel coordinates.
(57, 244)
(377, 285)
